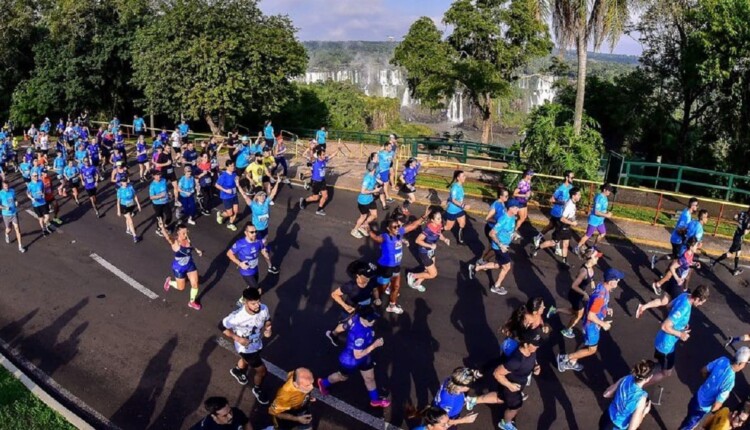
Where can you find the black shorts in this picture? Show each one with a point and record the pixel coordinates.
(576, 300)
(512, 400)
(127, 210)
(736, 244)
(487, 230)
(408, 189)
(160, 210)
(673, 289)
(169, 174)
(676, 248)
(666, 361)
(252, 359)
(251, 280)
(562, 232)
(318, 187)
(501, 258)
(72, 184)
(365, 209)
(42, 210)
(425, 259)
(91, 192)
(386, 273)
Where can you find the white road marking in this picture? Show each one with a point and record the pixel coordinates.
(340, 405)
(124, 276)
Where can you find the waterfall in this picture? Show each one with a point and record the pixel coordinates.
(406, 99)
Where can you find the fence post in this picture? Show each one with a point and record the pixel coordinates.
(730, 186)
(718, 219)
(465, 152)
(679, 179)
(627, 174)
(658, 208)
(591, 196)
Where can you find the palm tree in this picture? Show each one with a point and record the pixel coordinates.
(578, 23)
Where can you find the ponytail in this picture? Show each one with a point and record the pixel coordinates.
(456, 174)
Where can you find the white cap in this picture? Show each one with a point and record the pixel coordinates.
(742, 355)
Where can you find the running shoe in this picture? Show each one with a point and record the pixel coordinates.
(534, 251)
(656, 288)
(205, 212)
(737, 272)
(302, 202)
(57, 221)
(515, 237)
(577, 251)
(98, 215)
(177, 204)
(568, 332)
(558, 251)
(195, 305)
(363, 232)
(460, 236)
(388, 290)
(472, 271)
(273, 270)
(389, 200)
(190, 221)
(260, 395)
(159, 233)
(551, 311)
(653, 261)
(501, 290)
(306, 185)
(576, 367)
(332, 338)
(136, 239)
(323, 390)
(45, 232)
(219, 218)
(471, 401)
(239, 375)
(167, 283)
(418, 287)
(524, 396)
(394, 308)
(21, 249)
(287, 181)
(128, 232)
(320, 212)
(232, 227)
(537, 240)
(731, 341)
(480, 262)
(7, 239)
(380, 403)
(410, 279)
(356, 234)
(561, 361)
(502, 425)
(377, 302)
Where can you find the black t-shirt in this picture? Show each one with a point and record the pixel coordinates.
(743, 223)
(239, 419)
(355, 296)
(520, 367)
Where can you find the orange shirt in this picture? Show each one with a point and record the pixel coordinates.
(288, 397)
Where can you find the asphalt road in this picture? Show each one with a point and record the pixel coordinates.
(149, 364)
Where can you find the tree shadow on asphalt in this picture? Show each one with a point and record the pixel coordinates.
(140, 406)
(188, 391)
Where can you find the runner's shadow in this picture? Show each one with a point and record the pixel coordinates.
(218, 268)
(469, 318)
(11, 331)
(187, 391)
(137, 410)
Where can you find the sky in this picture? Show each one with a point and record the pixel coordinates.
(373, 20)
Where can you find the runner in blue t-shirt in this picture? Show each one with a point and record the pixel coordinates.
(368, 210)
(385, 161)
(35, 193)
(630, 404)
(90, 179)
(260, 209)
(127, 202)
(557, 200)
(452, 396)
(599, 211)
(159, 196)
(141, 157)
(321, 136)
(9, 208)
(186, 187)
(139, 126)
(409, 180)
(677, 238)
(500, 239)
(227, 184)
(357, 356)
(268, 133)
(245, 252)
(456, 208)
(497, 210)
(318, 179)
(675, 327)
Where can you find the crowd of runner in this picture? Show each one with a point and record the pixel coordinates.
(187, 180)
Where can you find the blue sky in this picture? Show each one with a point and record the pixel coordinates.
(372, 19)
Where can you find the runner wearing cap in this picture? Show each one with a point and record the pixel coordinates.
(244, 253)
(432, 232)
(675, 327)
(9, 207)
(522, 193)
(500, 235)
(719, 381)
(557, 200)
(563, 228)
(357, 356)
(497, 210)
(368, 209)
(456, 209)
(578, 295)
(675, 279)
(678, 234)
(159, 196)
(409, 180)
(228, 184)
(127, 201)
(597, 309)
(260, 207)
(513, 376)
(352, 295)
(596, 219)
(743, 228)
(319, 186)
(119, 173)
(247, 326)
(630, 404)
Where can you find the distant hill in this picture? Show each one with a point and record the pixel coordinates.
(334, 55)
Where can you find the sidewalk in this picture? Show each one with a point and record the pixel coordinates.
(347, 173)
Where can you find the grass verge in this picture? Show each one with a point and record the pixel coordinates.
(20, 409)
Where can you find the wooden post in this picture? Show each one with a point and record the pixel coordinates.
(718, 219)
(658, 208)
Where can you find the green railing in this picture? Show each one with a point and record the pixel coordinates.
(672, 177)
(462, 150)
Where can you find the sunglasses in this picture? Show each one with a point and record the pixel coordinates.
(251, 232)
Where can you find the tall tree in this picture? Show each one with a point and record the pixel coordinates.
(490, 41)
(216, 59)
(578, 23)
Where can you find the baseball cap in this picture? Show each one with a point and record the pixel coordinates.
(513, 203)
(742, 355)
(613, 274)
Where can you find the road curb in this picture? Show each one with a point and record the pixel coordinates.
(52, 394)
